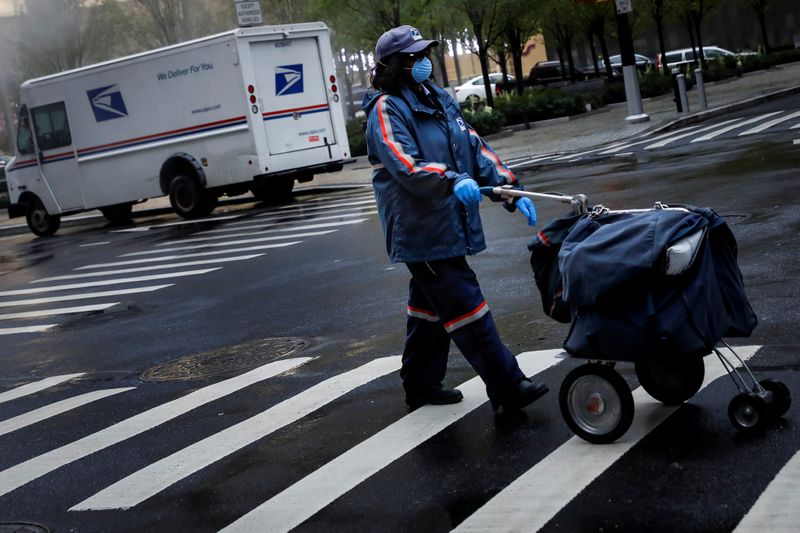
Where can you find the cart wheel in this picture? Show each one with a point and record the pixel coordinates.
(748, 412)
(781, 397)
(671, 381)
(596, 403)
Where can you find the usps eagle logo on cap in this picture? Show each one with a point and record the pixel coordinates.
(415, 34)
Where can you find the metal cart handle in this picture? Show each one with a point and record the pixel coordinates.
(578, 202)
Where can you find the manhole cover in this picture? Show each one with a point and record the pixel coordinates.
(23, 528)
(225, 360)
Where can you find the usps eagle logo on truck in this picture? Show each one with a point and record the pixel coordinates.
(288, 79)
(107, 103)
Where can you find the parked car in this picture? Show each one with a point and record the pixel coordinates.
(546, 72)
(4, 159)
(475, 91)
(643, 63)
(685, 56)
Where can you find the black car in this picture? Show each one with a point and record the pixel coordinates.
(551, 72)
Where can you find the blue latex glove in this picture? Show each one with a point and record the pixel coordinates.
(527, 208)
(468, 192)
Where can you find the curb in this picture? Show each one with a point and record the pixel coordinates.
(722, 110)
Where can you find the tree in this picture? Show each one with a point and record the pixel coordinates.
(593, 17)
(692, 13)
(486, 19)
(561, 23)
(658, 11)
(521, 23)
(761, 7)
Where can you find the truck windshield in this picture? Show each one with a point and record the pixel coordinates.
(24, 136)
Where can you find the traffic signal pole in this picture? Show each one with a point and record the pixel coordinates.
(636, 113)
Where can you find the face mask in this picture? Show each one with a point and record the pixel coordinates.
(422, 69)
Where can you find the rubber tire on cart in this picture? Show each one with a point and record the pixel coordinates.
(671, 381)
(118, 213)
(596, 403)
(748, 412)
(40, 222)
(781, 397)
(189, 199)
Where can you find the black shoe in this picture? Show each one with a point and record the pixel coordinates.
(525, 394)
(438, 396)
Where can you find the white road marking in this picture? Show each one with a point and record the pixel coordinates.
(70, 297)
(277, 229)
(170, 224)
(37, 386)
(623, 154)
(770, 123)
(149, 268)
(778, 508)
(531, 160)
(367, 199)
(726, 129)
(23, 473)
(157, 476)
(232, 243)
(321, 207)
(235, 226)
(669, 140)
(101, 283)
(188, 256)
(60, 311)
(300, 501)
(26, 329)
(580, 154)
(48, 411)
(796, 141)
(95, 244)
(657, 137)
(536, 496)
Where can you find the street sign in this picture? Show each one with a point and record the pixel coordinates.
(248, 13)
(624, 6)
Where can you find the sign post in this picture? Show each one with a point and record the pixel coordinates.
(248, 13)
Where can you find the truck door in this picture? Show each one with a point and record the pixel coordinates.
(56, 156)
(293, 92)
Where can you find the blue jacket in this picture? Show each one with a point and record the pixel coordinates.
(418, 154)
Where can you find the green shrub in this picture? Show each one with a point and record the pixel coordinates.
(485, 121)
(355, 135)
(614, 93)
(539, 104)
(654, 83)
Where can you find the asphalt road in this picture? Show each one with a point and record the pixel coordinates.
(237, 428)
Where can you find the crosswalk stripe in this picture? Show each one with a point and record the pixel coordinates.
(18, 475)
(229, 228)
(179, 223)
(189, 256)
(57, 408)
(157, 476)
(528, 160)
(26, 329)
(581, 154)
(323, 207)
(148, 268)
(770, 123)
(657, 137)
(670, 140)
(101, 283)
(365, 198)
(70, 297)
(531, 500)
(278, 229)
(37, 386)
(300, 501)
(231, 243)
(717, 133)
(59, 311)
(778, 507)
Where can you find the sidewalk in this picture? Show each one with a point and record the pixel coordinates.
(584, 131)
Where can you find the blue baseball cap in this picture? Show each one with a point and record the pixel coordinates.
(405, 39)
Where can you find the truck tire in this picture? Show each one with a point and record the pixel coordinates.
(118, 214)
(189, 199)
(40, 222)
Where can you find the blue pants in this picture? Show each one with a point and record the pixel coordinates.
(445, 303)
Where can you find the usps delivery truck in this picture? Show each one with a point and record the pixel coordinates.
(252, 109)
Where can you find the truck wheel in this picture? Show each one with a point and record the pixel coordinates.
(40, 222)
(189, 199)
(118, 214)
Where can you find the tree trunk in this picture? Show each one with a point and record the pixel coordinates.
(570, 61)
(661, 44)
(590, 38)
(762, 22)
(516, 58)
(457, 62)
(601, 36)
(483, 56)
